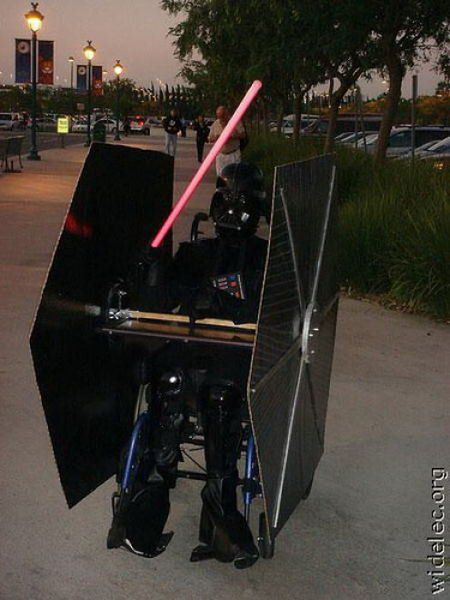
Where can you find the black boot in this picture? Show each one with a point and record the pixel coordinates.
(224, 533)
(142, 511)
(140, 517)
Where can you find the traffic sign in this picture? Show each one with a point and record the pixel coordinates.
(62, 125)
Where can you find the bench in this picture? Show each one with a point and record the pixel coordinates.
(9, 148)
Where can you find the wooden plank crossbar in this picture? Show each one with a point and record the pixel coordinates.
(151, 316)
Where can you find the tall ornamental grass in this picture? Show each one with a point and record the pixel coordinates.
(394, 223)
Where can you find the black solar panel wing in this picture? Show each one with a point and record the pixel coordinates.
(291, 366)
(122, 197)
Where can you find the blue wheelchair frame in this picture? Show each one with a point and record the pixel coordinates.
(140, 424)
(250, 485)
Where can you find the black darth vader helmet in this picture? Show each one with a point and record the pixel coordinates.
(239, 200)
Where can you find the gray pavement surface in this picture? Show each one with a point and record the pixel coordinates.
(359, 534)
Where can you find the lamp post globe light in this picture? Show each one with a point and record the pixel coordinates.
(89, 53)
(118, 69)
(34, 20)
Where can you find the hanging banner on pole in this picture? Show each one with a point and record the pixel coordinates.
(45, 62)
(81, 78)
(97, 80)
(23, 61)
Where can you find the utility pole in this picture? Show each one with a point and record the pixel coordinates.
(413, 115)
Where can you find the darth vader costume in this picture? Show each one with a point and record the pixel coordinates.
(142, 357)
(219, 277)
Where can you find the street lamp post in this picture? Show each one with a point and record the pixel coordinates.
(89, 53)
(71, 61)
(415, 82)
(34, 19)
(118, 69)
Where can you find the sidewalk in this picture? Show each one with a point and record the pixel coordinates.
(369, 513)
(52, 180)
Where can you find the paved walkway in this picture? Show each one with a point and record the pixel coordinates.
(355, 538)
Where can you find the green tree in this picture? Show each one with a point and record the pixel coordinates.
(404, 32)
(292, 45)
(328, 41)
(443, 87)
(235, 47)
(128, 98)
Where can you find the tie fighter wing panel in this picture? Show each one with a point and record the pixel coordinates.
(122, 197)
(292, 356)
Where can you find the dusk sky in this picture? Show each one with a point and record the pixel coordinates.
(134, 32)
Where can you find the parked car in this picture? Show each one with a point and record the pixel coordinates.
(438, 153)
(10, 121)
(343, 136)
(401, 138)
(320, 127)
(44, 123)
(370, 137)
(141, 125)
(345, 124)
(418, 151)
(359, 135)
(439, 161)
(437, 148)
(79, 126)
(287, 127)
(348, 139)
(110, 125)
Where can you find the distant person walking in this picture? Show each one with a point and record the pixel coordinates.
(183, 127)
(202, 130)
(172, 126)
(126, 126)
(231, 152)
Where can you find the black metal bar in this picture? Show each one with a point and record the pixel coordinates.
(181, 337)
(71, 89)
(413, 115)
(33, 155)
(89, 103)
(195, 475)
(191, 475)
(117, 136)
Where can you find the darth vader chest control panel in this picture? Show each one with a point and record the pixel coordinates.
(231, 283)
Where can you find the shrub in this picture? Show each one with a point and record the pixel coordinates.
(394, 222)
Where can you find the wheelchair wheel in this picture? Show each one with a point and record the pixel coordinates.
(266, 545)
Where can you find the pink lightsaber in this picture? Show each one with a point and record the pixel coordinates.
(195, 182)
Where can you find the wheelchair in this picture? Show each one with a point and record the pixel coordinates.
(281, 338)
(190, 438)
(202, 357)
